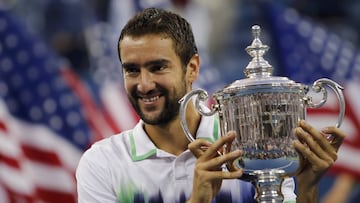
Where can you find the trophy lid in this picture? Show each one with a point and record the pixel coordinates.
(259, 71)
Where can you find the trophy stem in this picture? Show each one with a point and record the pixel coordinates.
(268, 185)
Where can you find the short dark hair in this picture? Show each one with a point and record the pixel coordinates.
(169, 24)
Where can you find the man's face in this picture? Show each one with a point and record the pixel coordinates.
(154, 77)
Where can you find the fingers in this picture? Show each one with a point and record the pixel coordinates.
(210, 162)
(314, 146)
(337, 136)
(315, 140)
(198, 147)
(213, 168)
(334, 136)
(317, 162)
(206, 150)
(223, 174)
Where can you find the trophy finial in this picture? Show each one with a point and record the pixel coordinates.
(258, 65)
(256, 31)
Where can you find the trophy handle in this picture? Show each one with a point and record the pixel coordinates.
(318, 86)
(202, 95)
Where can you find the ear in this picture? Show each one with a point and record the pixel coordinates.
(193, 69)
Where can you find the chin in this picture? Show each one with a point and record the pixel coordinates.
(159, 120)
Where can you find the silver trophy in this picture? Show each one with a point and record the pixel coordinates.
(263, 110)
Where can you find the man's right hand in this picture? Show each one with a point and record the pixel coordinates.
(208, 172)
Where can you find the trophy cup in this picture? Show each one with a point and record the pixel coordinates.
(263, 110)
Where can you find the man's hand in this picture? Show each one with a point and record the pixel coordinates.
(317, 155)
(208, 174)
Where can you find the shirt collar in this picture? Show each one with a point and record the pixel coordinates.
(142, 147)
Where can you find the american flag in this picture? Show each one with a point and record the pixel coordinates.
(48, 116)
(308, 51)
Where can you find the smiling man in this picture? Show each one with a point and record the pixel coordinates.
(154, 77)
(154, 161)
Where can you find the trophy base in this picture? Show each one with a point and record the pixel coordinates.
(267, 184)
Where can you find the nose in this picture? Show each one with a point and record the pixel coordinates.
(146, 82)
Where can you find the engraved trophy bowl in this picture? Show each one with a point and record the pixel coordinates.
(263, 110)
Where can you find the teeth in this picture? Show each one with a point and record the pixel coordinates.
(151, 99)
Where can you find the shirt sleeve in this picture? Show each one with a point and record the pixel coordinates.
(288, 190)
(93, 181)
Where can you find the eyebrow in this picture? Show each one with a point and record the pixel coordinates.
(157, 62)
(129, 65)
(146, 64)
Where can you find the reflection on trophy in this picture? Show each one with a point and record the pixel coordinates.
(263, 110)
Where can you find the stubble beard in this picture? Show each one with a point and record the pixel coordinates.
(169, 111)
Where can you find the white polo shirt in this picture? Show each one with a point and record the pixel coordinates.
(129, 168)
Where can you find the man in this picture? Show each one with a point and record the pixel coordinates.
(154, 162)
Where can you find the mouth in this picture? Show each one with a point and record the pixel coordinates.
(149, 100)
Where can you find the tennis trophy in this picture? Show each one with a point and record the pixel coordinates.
(263, 110)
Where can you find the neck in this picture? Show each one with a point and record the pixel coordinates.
(170, 137)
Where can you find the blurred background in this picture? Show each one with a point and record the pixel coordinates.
(61, 82)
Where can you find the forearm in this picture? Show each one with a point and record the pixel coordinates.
(307, 194)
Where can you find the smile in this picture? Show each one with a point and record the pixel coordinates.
(152, 99)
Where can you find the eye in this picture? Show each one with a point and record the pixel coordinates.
(157, 67)
(131, 70)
